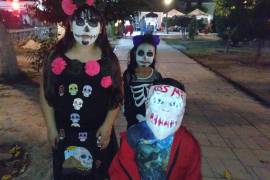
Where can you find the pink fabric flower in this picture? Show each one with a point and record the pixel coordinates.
(68, 7)
(106, 81)
(92, 68)
(58, 65)
(90, 2)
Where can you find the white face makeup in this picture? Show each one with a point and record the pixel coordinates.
(165, 110)
(85, 31)
(145, 54)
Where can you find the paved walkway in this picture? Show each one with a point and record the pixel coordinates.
(232, 129)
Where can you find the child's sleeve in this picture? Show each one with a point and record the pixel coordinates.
(194, 172)
(124, 165)
(127, 93)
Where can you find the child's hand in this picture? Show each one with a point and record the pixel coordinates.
(53, 137)
(103, 136)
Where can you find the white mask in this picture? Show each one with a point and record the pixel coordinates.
(145, 54)
(84, 31)
(165, 110)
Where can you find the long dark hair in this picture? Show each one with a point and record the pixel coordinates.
(148, 39)
(111, 65)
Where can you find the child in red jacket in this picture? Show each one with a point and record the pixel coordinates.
(159, 148)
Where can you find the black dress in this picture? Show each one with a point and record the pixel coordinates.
(136, 91)
(81, 105)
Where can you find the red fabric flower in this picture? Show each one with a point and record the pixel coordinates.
(92, 68)
(106, 81)
(90, 2)
(58, 65)
(68, 7)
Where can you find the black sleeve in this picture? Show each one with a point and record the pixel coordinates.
(117, 94)
(158, 76)
(128, 99)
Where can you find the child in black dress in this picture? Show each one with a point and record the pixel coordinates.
(80, 96)
(140, 74)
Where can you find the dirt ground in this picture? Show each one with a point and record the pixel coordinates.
(253, 78)
(21, 122)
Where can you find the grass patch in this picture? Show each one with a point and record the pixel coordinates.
(202, 47)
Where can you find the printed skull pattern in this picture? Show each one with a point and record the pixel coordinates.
(75, 118)
(87, 90)
(82, 136)
(61, 90)
(78, 92)
(78, 158)
(73, 89)
(78, 103)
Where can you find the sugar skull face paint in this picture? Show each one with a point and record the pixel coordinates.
(165, 110)
(85, 28)
(145, 54)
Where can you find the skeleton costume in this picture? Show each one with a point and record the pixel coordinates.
(83, 92)
(159, 147)
(136, 88)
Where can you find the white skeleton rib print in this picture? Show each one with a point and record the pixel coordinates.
(140, 93)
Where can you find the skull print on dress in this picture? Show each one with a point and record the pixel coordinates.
(78, 103)
(87, 90)
(75, 118)
(82, 136)
(83, 158)
(61, 90)
(73, 89)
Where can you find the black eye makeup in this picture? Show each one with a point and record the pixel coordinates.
(148, 54)
(91, 22)
(80, 22)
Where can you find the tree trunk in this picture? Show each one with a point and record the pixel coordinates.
(188, 5)
(259, 50)
(199, 3)
(8, 61)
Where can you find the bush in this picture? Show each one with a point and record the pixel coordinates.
(37, 57)
(192, 29)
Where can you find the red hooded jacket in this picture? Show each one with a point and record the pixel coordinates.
(184, 162)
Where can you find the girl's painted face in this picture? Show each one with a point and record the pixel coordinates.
(85, 30)
(165, 110)
(145, 54)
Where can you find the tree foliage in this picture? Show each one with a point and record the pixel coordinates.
(8, 62)
(243, 20)
(236, 16)
(112, 9)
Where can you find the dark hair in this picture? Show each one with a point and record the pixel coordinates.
(171, 82)
(148, 39)
(111, 66)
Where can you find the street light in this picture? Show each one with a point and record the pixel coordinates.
(15, 5)
(167, 3)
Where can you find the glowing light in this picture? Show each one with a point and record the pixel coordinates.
(168, 2)
(15, 5)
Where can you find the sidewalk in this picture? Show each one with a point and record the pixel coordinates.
(232, 129)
